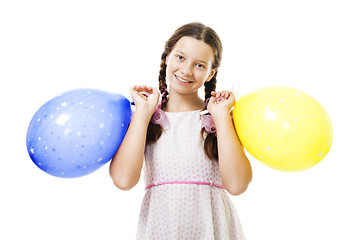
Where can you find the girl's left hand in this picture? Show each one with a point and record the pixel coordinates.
(220, 103)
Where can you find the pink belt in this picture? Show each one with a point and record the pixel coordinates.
(184, 182)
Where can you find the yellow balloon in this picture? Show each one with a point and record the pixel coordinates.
(283, 127)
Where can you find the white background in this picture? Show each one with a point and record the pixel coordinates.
(48, 47)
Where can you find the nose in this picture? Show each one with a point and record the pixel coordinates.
(187, 70)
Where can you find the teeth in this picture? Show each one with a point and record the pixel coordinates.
(182, 80)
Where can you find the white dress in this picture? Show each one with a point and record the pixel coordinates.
(184, 196)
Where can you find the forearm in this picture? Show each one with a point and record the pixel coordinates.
(126, 165)
(235, 169)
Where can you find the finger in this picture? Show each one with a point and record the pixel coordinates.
(136, 94)
(149, 89)
(137, 88)
(212, 100)
(221, 95)
(133, 88)
(232, 95)
(224, 93)
(146, 94)
(219, 99)
(156, 94)
(227, 94)
(218, 94)
(142, 88)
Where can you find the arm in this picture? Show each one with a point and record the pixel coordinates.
(126, 165)
(235, 168)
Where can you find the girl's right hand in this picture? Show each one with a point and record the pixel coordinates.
(145, 104)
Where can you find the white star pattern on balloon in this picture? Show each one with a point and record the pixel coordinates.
(65, 136)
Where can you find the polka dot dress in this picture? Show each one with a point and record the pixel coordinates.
(184, 197)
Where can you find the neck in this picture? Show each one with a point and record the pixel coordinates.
(184, 103)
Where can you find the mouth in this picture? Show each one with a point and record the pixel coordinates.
(182, 79)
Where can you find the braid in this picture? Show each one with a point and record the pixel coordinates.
(210, 86)
(210, 141)
(162, 82)
(154, 131)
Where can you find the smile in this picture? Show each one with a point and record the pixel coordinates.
(182, 80)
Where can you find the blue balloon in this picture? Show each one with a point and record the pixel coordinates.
(77, 132)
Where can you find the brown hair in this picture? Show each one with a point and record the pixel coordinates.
(200, 32)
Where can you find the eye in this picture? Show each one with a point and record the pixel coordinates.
(180, 57)
(200, 66)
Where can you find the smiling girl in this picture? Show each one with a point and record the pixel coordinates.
(192, 154)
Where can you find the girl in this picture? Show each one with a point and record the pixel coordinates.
(191, 158)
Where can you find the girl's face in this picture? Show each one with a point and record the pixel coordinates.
(189, 65)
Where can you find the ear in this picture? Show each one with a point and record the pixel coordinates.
(211, 75)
